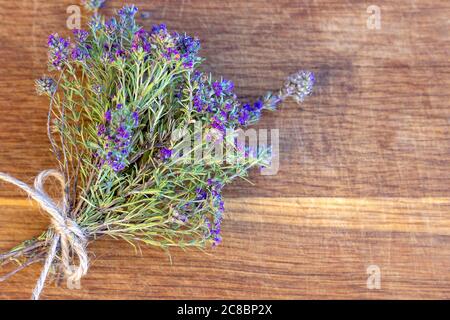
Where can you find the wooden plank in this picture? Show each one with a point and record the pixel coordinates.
(367, 214)
(274, 248)
(377, 125)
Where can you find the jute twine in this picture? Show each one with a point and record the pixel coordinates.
(66, 232)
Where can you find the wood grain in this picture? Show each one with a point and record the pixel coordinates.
(364, 175)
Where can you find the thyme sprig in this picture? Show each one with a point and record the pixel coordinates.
(121, 93)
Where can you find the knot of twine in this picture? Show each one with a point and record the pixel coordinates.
(66, 231)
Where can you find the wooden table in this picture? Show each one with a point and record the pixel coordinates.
(364, 175)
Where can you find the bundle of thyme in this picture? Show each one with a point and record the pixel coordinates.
(118, 95)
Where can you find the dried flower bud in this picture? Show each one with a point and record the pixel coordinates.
(93, 5)
(299, 85)
(46, 85)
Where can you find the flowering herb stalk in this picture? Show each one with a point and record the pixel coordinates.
(118, 93)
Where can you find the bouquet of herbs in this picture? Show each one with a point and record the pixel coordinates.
(123, 99)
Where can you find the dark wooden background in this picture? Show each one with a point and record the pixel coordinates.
(364, 177)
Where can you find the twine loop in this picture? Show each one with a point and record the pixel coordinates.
(67, 233)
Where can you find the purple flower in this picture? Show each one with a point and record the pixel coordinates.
(247, 107)
(223, 88)
(116, 138)
(243, 117)
(162, 28)
(108, 116)
(165, 153)
(111, 25)
(122, 133)
(220, 105)
(215, 184)
(113, 51)
(101, 130)
(127, 17)
(217, 88)
(198, 103)
(116, 165)
(228, 86)
(172, 53)
(121, 54)
(258, 105)
(215, 232)
(218, 124)
(95, 23)
(80, 35)
(188, 48)
(141, 40)
(58, 50)
(135, 116)
(80, 54)
(250, 112)
(187, 44)
(201, 194)
(127, 12)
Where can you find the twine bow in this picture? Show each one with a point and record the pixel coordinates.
(67, 233)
